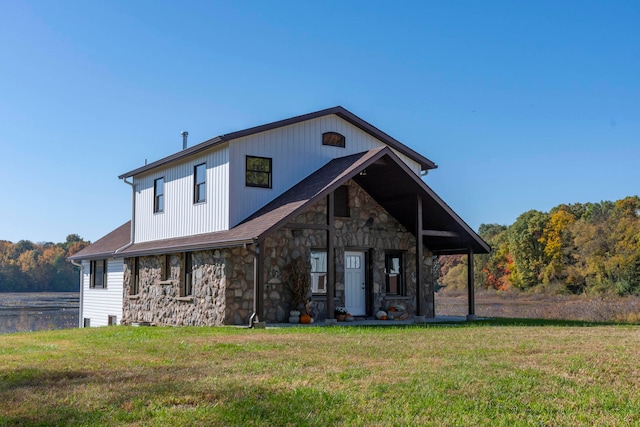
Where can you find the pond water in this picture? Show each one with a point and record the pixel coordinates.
(24, 312)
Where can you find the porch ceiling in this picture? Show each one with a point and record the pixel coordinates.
(397, 191)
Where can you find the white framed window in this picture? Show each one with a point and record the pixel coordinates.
(158, 195)
(98, 272)
(318, 271)
(200, 183)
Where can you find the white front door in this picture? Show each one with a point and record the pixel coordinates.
(354, 283)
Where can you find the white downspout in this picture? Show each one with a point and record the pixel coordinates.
(133, 216)
(80, 318)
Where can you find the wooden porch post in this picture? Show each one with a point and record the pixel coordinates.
(331, 264)
(258, 279)
(420, 312)
(471, 290)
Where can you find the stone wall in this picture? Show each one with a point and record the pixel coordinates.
(369, 228)
(158, 300)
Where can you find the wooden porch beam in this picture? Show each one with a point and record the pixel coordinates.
(297, 226)
(471, 290)
(439, 233)
(331, 258)
(419, 291)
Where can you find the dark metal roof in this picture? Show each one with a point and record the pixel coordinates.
(388, 180)
(341, 112)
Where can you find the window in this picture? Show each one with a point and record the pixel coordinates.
(134, 288)
(394, 272)
(112, 320)
(158, 195)
(258, 172)
(200, 183)
(166, 267)
(341, 201)
(333, 139)
(186, 286)
(318, 272)
(98, 274)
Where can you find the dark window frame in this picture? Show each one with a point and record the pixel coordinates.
(134, 288)
(333, 139)
(400, 285)
(158, 196)
(251, 174)
(341, 202)
(186, 284)
(198, 195)
(93, 283)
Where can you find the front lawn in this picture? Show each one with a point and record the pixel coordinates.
(484, 373)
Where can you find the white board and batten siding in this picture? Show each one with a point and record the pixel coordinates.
(98, 304)
(181, 216)
(296, 152)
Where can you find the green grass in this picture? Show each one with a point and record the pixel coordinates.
(499, 373)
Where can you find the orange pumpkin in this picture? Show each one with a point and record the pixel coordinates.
(305, 318)
(383, 318)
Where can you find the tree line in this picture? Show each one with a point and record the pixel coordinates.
(573, 248)
(39, 267)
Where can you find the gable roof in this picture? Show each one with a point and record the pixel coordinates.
(341, 112)
(389, 181)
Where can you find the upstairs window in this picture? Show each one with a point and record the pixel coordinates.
(258, 172)
(333, 139)
(319, 272)
(98, 274)
(158, 195)
(394, 272)
(341, 201)
(200, 183)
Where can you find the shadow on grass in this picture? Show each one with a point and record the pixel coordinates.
(495, 321)
(36, 377)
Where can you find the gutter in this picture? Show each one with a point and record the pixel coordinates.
(133, 215)
(80, 319)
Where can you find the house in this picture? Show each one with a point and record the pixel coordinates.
(215, 226)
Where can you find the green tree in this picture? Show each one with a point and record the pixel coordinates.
(529, 259)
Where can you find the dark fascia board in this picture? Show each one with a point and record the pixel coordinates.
(339, 111)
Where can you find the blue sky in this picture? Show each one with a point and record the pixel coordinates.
(523, 105)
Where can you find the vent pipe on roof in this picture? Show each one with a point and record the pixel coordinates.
(184, 134)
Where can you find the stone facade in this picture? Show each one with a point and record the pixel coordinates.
(223, 279)
(368, 228)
